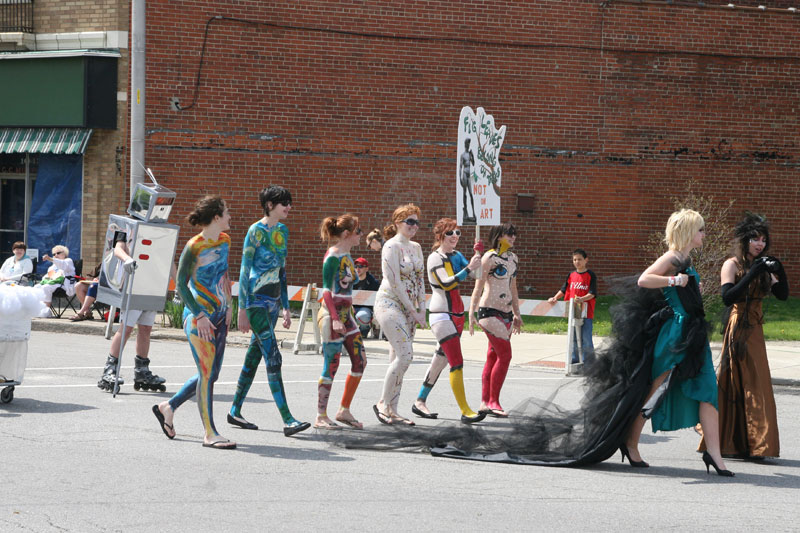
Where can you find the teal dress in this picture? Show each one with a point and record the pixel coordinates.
(680, 407)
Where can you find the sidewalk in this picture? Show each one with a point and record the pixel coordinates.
(541, 351)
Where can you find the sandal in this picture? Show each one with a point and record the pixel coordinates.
(397, 419)
(326, 424)
(220, 445)
(382, 418)
(350, 422)
(164, 426)
(80, 317)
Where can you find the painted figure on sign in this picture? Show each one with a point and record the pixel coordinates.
(465, 164)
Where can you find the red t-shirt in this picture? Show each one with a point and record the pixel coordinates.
(581, 284)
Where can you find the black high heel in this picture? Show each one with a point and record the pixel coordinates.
(709, 461)
(625, 453)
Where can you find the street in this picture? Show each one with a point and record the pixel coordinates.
(76, 459)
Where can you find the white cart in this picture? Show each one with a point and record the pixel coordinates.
(14, 335)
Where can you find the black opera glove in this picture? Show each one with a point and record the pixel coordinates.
(781, 288)
(735, 293)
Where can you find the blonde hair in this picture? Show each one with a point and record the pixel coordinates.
(60, 248)
(399, 215)
(681, 227)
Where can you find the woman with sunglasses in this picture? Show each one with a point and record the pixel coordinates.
(60, 274)
(399, 305)
(262, 291)
(336, 320)
(446, 268)
(498, 313)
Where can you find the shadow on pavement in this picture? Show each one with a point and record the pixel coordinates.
(293, 452)
(28, 405)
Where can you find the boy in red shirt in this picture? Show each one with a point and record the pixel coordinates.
(582, 286)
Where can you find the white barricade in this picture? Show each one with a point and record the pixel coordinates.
(311, 304)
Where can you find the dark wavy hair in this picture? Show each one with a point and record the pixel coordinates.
(751, 226)
(274, 194)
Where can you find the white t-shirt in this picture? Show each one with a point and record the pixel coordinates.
(13, 270)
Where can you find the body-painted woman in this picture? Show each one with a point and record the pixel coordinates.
(498, 313)
(205, 289)
(446, 268)
(262, 292)
(399, 305)
(336, 320)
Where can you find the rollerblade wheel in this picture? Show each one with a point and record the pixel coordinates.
(162, 388)
(138, 386)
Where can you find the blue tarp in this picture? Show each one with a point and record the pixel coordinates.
(56, 207)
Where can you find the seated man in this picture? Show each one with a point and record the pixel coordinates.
(366, 282)
(60, 274)
(16, 267)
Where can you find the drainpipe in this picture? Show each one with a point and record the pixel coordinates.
(138, 20)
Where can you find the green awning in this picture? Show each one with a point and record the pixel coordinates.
(44, 140)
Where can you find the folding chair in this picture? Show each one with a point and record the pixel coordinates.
(61, 300)
(30, 279)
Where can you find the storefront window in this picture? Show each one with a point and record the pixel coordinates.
(17, 178)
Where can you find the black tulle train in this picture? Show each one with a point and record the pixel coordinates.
(538, 431)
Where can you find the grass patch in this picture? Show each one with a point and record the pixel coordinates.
(781, 320)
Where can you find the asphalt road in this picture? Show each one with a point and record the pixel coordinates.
(76, 459)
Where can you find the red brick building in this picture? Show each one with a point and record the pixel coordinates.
(611, 109)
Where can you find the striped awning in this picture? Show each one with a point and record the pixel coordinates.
(44, 140)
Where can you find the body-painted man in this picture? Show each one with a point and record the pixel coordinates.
(263, 291)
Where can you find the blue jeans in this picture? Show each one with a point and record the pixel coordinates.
(586, 343)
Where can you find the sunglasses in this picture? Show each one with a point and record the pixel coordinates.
(361, 266)
(411, 222)
(456, 232)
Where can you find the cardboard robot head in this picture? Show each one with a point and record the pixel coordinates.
(151, 202)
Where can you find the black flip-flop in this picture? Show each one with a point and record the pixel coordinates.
(164, 425)
(422, 414)
(220, 445)
(382, 418)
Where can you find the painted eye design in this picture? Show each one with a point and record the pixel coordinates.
(499, 271)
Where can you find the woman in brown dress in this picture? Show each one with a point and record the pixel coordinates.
(748, 421)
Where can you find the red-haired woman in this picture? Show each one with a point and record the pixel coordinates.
(446, 268)
(399, 305)
(336, 320)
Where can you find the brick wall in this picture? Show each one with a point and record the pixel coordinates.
(610, 112)
(66, 16)
(105, 168)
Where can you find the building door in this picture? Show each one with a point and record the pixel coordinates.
(17, 179)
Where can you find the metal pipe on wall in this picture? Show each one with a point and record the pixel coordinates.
(138, 57)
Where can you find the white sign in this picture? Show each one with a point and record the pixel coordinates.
(478, 169)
